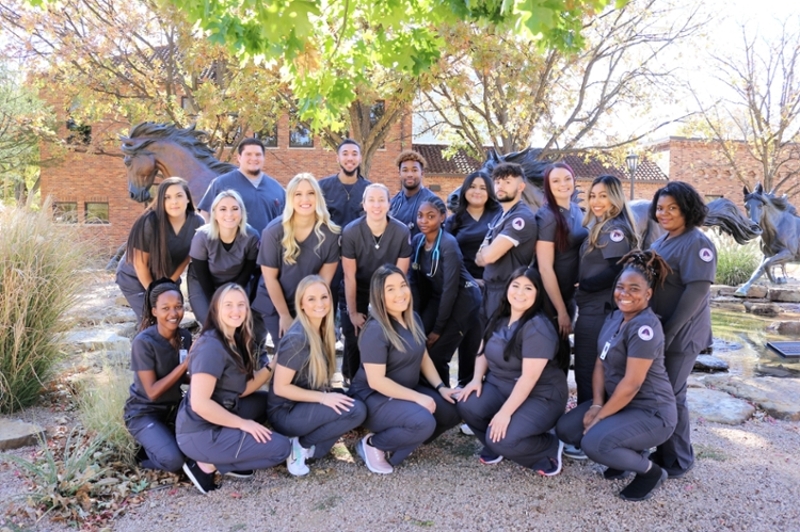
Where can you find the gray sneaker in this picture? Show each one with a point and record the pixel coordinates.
(574, 453)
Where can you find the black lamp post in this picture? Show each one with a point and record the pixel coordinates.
(632, 162)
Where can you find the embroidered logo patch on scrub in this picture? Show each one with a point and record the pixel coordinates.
(518, 223)
(646, 333)
(706, 255)
(616, 235)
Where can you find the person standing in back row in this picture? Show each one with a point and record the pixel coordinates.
(405, 204)
(683, 304)
(511, 239)
(343, 194)
(263, 196)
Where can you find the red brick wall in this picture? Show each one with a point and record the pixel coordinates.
(82, 178)
(701, 164)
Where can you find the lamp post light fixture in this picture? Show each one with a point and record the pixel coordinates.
(632, 162)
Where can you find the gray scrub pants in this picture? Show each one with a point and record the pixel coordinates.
(235, 450)
(527, 438)
(676, 455)
(316, 424)
(133, 291)
(587, 329)
(493, 294)
(618, 441)
(402, 426)
(351, 359)
(156, 434)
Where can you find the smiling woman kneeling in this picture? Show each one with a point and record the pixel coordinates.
(633, 408)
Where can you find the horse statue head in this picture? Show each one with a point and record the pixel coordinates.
(151, 149)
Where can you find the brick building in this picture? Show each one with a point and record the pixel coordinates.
(105, 212)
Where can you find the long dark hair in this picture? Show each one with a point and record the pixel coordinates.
(562, 230)
(154, 291)
(242, 345)
(491, 203)
(504, 311)
(155, 215)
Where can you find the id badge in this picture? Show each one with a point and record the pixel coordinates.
(182, 355)
(605, 350)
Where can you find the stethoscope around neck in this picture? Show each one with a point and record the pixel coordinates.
(434, 255)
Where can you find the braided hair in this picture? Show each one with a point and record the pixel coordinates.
(649, 264)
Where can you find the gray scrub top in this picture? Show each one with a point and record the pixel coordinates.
(343, 201)
(294, 353)
(565, 262)
(612, 243)
(308, 262)
(470, 234)
(209, 355)
(262, 203)
(403, 367)
(177, 244)
(641, 337)
(538, 339)
(404, 209)
(358, 244)
(152, 352)
(225, 265)
(519, 226)
(692, 257)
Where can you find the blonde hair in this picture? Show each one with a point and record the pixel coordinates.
(378, 312)
(322, 343)
(373, 186)
(212, 228)
(291, 249)
(619, 208)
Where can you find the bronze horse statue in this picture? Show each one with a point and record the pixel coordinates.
(722, 213)
(780, 232)
(151, 149)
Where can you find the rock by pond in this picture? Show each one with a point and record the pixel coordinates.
(710, 364)
(719, 407)
(15, 433)
(780, 398)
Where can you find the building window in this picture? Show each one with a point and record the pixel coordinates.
(79, 133)
(65, 212)
(268, 135)
(300, 137)
(96, 212)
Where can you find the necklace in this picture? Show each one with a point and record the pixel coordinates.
(377, 240)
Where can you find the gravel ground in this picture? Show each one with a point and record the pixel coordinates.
(746, 478)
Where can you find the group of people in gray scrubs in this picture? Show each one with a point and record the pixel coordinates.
(495, 281)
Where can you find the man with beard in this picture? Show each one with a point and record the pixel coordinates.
(343, 196)
(405, 203)
(343, 191)
(263, 197)
(511, 240)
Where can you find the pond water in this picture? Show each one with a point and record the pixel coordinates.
(741, 340)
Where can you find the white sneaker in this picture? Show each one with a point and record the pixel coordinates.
(296, 461)
(374, 458)
(466, 430)
(575, 453)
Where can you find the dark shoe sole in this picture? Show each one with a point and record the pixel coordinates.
(650, 493)
(615, 474)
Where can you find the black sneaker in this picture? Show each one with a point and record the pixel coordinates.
(244, 474)
(614, 474)
(203, 481)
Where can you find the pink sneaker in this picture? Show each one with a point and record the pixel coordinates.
(374, 458)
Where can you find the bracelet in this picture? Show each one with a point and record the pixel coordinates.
(440, 386)
(267, 367)
(595, 406)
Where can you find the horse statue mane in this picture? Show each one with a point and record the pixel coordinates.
(152, 148)
(194, 140)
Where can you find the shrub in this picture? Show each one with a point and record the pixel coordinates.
(735, 263)
(101, 399)
(38, 284)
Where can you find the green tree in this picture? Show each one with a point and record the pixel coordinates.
(24, 118)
